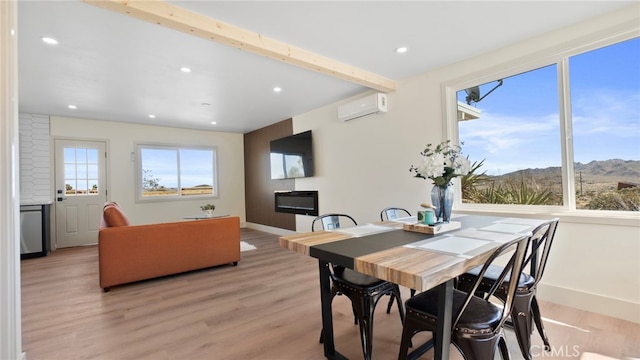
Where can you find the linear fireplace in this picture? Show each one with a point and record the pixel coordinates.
(297, 202)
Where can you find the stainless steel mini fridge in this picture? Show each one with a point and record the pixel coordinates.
(34, 230)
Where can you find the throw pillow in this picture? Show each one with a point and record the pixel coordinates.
(113, 216)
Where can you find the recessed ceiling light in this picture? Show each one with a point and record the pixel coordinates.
(213, 123)
(402, 50)
(151, 116)
(49, 40)
(73, 107)
(185, 69)
(277, 89)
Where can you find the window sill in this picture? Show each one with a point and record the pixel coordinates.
(616, 218)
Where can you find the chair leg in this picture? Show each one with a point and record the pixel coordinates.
(410, 328)
(477, 349)
(400, 307)
(535, 309)
(365, 315)
(413, 292)
(355, 315)
(363, 306)
(504, 351)
(520, 317)
(390, 304)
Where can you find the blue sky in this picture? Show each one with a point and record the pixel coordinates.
(81, 164)
(195, 165)
(519, 125)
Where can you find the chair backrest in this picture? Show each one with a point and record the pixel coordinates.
(392, 213)
(518, 249)
(331, 221)
(539, 247)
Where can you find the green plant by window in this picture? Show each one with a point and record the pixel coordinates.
(208, 207)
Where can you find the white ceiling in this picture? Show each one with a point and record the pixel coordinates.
(118, 68)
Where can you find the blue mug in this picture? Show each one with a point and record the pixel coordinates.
(429, 217)
(426, 216)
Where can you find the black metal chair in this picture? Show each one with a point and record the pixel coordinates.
(525, 308)
(392, 213)
(364, 291)
(477, 323)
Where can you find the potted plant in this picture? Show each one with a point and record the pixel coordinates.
(208, 209)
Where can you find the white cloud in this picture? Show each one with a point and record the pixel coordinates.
(607, 113)
(606, 124)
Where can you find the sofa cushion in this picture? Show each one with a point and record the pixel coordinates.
(113, 216)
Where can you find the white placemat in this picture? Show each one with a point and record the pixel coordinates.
(453, 245)
(521, 221)
(486, 235)
(406, 220)
(507, 228)
(362, 230)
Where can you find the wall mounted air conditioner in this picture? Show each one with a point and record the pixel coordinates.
(372, 104)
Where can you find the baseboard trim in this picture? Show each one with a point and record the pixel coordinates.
(621, 309)
(269, 229)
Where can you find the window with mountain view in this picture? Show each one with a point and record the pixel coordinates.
(605, 108)
(166, 172)
(518, 133)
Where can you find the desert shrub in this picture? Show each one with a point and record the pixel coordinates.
(480, 188)
(624, 199)
(523, 188)
(518, 194)
(470, 182)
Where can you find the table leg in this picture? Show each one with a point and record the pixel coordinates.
(327, 314)
(443, 328)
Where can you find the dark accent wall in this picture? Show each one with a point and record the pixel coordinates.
(258, 186)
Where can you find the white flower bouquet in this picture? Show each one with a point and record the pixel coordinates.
(442, 163)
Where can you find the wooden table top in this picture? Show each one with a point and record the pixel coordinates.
(416, 260)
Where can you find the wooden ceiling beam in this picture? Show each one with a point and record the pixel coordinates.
(180, 19)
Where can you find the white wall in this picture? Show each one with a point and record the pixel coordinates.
(363, 165)
(121, 137)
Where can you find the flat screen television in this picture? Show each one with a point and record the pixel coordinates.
(292, 156)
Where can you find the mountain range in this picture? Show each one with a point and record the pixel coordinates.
(623, 170)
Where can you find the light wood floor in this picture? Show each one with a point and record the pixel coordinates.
(267, 307)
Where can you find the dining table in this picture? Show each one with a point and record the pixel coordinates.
(395, 251)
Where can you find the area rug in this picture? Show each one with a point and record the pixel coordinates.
(245, 246)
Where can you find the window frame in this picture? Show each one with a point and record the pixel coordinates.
(559, 57)
(177, 147)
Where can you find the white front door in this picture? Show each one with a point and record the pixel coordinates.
(80, 190)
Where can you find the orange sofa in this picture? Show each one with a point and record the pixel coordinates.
(129, 253)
